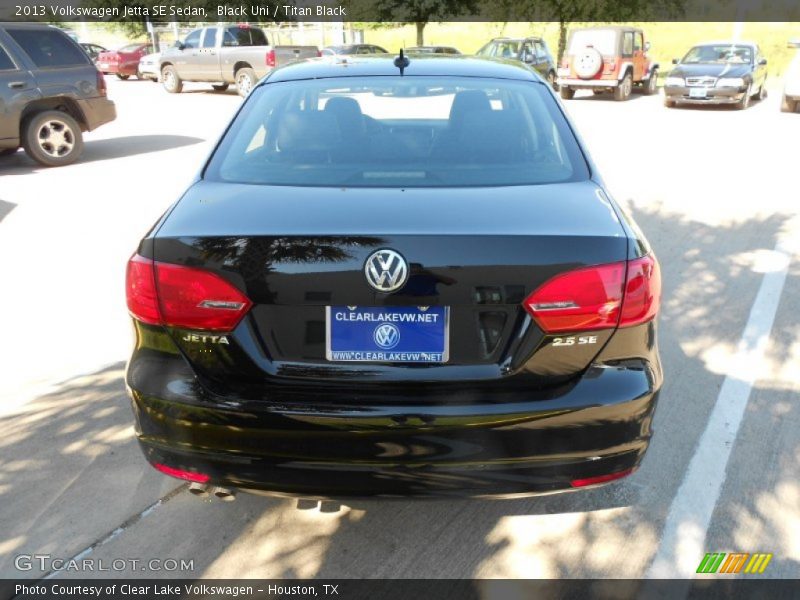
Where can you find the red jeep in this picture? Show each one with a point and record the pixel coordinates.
(607, 59)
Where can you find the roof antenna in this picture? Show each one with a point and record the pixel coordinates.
(401, 62)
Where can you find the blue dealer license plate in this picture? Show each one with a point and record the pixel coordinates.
(389, 334)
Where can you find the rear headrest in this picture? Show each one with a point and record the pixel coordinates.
(347, 112)
(307, 130)
(469, 101)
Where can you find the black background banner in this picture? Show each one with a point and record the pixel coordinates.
(406, 589)
(193, 11)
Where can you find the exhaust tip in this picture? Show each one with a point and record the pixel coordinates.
(225, 494)
(199, 489)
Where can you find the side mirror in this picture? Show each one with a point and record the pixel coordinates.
(647, 46)
(675, 61)
(762, 62)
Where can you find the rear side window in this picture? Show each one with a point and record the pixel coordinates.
(245, 36)
(396, 131)
(6, 64)
(49, 48)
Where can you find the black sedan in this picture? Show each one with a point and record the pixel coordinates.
(718, 73)
(376, 288)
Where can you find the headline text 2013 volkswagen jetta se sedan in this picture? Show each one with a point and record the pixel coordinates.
(399, 284)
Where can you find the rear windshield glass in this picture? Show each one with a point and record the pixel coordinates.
(399, 132)
(602, 40)
(49, 47)
(244, 36)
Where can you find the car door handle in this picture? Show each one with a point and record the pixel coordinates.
(17, 85)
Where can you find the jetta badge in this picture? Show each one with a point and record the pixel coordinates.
(386, 270)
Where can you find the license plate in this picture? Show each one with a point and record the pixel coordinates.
(697, 93)
(388, 334)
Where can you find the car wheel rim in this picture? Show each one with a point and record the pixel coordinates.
(55, 138)
(244, 84)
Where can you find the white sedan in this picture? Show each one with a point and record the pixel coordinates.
(148, 66)
(791, 84)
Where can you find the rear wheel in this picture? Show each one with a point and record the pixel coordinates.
(788, 105)
(567, 93)
(669, 103)
(762, 92)
(623, 90)
(172, 83)
(651, 86)
(220, 87)
(53, 138)
(121, 76)
(551, 79)
(245, 80)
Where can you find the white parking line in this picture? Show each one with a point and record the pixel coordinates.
(683, 538)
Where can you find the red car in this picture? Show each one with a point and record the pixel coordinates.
(123, 62)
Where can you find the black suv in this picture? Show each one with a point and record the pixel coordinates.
(50, 93)
(532, 51)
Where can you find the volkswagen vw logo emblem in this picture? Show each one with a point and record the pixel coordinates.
(386, 270)
(386, 336)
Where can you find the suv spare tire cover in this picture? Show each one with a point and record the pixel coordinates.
(588, 62)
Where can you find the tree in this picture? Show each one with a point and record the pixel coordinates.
(419, 12)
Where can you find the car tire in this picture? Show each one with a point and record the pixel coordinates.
(221, 87)
(669, 103)
(245, 80)
(588, 63)
(623, 91)
(567, 93)
(745, 101)
(171, 81)
(762, 92)
(651, 86)
(788, 105)
(52, 138)
(122, 77)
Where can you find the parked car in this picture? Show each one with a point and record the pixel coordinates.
(149, 66)
(222, 55)
(50, 93)
(93, 50)
(723, 72)
(607, 59)
(452, 306)
(347, 49)
(432, 50)
(791, 82)
(123, 62)
(532, 51)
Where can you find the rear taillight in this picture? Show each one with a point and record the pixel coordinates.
(601, 478)
(271, 58)
(598, 297)
(177, 296)
(102, 89)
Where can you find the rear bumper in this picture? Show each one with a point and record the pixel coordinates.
(98, 111)
(482, 444)
(713, 95)
(588, 83)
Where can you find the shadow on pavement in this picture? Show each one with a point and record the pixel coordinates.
(107, 149)
(6, 208)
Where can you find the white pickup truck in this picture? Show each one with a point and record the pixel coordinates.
(225, 54)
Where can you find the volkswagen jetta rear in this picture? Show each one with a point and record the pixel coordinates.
(396, 283)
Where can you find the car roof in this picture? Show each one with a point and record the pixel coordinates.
(516, 39)
(609, 27)
(377, 65)
(726, 43)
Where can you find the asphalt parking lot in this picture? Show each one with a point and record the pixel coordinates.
(716, 192)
